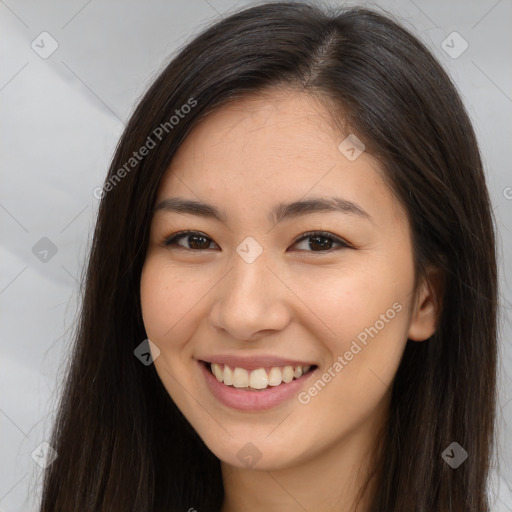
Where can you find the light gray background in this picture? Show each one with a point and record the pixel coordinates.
(61, 118)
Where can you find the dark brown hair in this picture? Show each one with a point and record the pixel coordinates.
(122, 443)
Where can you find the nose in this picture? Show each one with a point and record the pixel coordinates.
(251, 301)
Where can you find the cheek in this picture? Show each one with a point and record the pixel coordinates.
(163, 301)
(345, 301)
(364, 312)
(363, 355)
(166, 302)
(171, 302)
(154, 300)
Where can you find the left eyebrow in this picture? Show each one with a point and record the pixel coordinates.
(279, 213)
(322, 204)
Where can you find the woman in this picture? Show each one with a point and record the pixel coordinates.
(290, 302)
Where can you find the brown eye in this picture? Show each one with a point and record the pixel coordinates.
(196, 241)
(320, 241)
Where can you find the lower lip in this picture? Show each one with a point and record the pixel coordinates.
(253, 400)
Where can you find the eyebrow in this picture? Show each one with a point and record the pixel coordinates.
(279, 213)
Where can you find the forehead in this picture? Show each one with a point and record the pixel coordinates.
(287, 126)
(260, 150)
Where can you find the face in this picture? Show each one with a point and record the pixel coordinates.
(301, 257)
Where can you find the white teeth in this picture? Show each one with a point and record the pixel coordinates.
(228, 376)
(275, 377)
(288, 374)
(217, 371)
(240, 378)
(257, 379)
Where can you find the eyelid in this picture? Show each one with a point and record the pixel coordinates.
(299, 238)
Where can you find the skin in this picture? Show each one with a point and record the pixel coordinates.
(292, 301)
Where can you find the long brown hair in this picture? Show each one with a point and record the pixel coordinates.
(122, 443)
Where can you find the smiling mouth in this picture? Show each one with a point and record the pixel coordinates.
(259, 379)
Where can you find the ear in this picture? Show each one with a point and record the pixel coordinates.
(427, 306)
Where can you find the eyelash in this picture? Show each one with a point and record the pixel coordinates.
(172, 239)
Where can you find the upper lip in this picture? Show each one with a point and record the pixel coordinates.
(254, 362)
